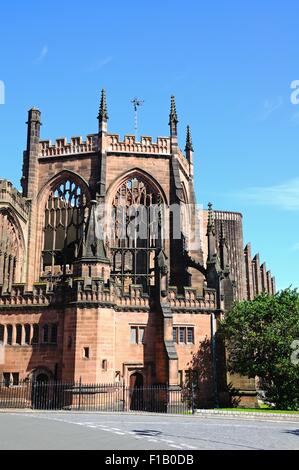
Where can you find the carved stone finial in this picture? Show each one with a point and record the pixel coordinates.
(93, 246)
(103, 114)
(223, 235)
(173, 117)
(211, 220)
(189, 145)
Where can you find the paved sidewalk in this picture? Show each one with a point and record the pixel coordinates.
(256, 415)
(264, 415)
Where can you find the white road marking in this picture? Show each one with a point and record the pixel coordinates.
(188, 446)
(175, 446)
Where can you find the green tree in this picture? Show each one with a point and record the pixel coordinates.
(261, 338)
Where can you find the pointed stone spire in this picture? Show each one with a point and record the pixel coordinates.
(211, 234)
(93, 262)
(93, 244)
(173, 118)
(189, 152)
(224, 258)
(102, 147)
(103, 114)
(211, 220)
(189, 145)
(223, 235)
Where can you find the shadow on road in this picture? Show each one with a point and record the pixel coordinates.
(147, 432)
(295, 432)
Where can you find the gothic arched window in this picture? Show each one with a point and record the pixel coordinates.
(137, 232)
(11, 251)
(65, 217)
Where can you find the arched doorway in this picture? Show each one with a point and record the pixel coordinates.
(136, 391)
(42, 378)
(42, 390)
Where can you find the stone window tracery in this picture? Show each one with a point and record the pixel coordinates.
(137, 213)
(64, 222)
(11, 251)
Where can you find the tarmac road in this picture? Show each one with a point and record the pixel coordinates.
(70, 431)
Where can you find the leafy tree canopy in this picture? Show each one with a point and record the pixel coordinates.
(262, 339)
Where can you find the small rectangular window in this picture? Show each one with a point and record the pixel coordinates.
(190, 335)
(182, 338)
(86, 353)
(45, 334)
(54, 333)
(141, 335)
(27, 334)
(15, 378)
(1, 334)
(175, 335)
(180, 377)
(6, 379)
(35, 336)
(134, 336)
(9, 334)
(19, 334)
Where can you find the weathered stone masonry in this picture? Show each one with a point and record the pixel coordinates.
(74, 305)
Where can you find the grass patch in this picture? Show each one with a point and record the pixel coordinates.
(259, 410)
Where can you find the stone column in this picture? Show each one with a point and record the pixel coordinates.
(1, 267)
(248, 272)
(31, 333)
(14, 334)
(5, 334)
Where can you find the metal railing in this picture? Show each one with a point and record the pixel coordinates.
(77, 396)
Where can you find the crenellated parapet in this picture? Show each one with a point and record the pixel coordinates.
(10, 196)
(96, 291)
(191, 300)
(257, 278)
(19, 297)
(75, 146)
(130, 145)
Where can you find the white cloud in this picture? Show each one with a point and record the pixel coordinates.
(295, 247)
(282, 196)
(269, 108)
(100, 64)
(42, 54)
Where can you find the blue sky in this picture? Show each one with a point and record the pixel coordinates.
(230, 65)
